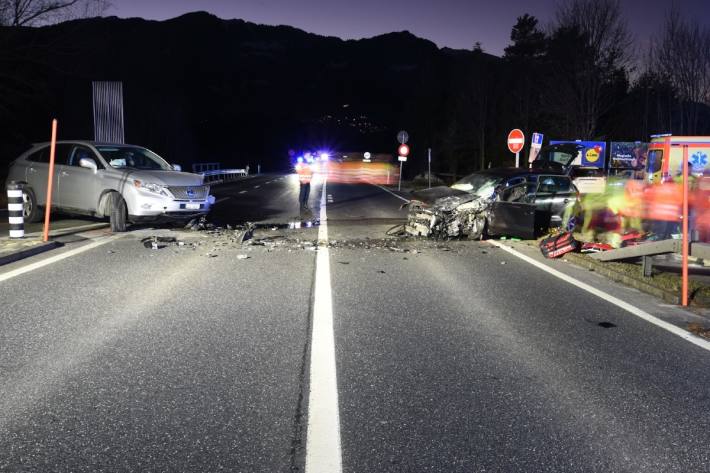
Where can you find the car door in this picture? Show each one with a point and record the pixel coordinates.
(554, 195)
(514, 212)
(38, 172)
(78, 186)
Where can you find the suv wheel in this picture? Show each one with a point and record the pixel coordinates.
(30, 211)
(118, 213)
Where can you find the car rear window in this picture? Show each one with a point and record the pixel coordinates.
(39, 156)
(61, 154)
(553, 184)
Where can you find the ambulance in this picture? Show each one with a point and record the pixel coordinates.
(665, 157)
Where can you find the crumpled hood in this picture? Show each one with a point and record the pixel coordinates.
(443, 198)
(167, 178)
(430, 196)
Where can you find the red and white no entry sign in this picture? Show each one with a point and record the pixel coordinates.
(403, 150)
(516, 140)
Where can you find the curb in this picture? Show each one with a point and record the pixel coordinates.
(26, 253)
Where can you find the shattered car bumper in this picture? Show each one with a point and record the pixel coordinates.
(456, 215)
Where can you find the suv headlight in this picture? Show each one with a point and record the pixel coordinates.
(150, 187)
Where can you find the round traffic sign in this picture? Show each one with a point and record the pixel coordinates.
(516, 140)
(402, 136)
(367, 155)
(403, 150)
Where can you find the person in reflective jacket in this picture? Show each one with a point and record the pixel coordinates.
(305, 174)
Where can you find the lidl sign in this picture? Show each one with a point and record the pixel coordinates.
(592, 155)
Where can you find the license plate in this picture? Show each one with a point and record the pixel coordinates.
(192, 206)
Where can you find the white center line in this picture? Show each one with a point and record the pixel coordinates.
(256, 187)
(611, 299)
(222, 199)
(323, 453)
(242, 192)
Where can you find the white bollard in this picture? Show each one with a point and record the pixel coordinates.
(14, 210)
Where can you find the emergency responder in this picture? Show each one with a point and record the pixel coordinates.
(305, 174)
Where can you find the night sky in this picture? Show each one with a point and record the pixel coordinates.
(452, 23)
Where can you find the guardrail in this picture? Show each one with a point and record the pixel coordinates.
(223, 175)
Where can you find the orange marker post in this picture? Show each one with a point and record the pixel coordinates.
(684, 296)
(50, 180)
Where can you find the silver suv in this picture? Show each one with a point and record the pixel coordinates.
(123, 182)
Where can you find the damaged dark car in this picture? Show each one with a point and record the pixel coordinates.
(523, 203)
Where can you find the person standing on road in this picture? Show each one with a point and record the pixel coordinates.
(305, 174)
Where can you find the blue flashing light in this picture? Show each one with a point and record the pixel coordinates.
(299, 160)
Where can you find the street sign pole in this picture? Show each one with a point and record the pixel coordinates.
(429, 168)
(402, 152)
(399, 186)
(516, 141)
(685, 241)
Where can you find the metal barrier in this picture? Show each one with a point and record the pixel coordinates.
(223, 175)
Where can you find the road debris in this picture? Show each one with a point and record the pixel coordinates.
(699, 330)
(158, 243)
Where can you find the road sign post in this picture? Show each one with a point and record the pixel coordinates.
(685, 240)
(535, 145)
(50, 180)
(516, 141)
(429, 174)
(402, 152)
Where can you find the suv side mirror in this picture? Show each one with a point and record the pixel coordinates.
(89, 164)
(177, 167)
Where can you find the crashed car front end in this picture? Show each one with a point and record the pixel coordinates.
(448, 217)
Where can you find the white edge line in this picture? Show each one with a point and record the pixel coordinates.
(59, 257)
(387, 190)
(705, 344)
(323, 449)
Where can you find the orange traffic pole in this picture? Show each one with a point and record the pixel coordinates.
(50, 180)
(684, 296)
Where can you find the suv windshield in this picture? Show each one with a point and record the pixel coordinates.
(133, 157)
(480, 184)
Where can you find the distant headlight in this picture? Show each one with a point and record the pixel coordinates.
(150, 187)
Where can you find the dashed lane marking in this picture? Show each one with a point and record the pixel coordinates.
(243, 192)
(256, 187)
(222, 199)
(323, 450)
(685, 335)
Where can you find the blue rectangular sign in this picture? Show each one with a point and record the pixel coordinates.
(537, 139)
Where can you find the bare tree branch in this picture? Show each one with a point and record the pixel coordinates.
(32, 12)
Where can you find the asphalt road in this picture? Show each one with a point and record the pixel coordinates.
(449, 357)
